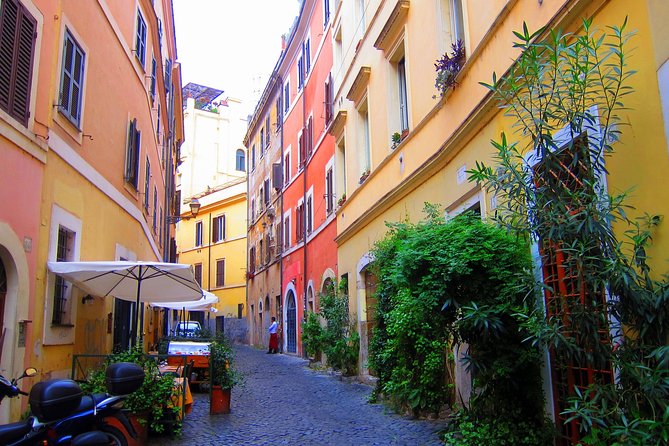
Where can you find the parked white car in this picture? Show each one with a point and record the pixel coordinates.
(188, 329)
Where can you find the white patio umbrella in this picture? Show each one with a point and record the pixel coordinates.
(136, 281)
(202, 304)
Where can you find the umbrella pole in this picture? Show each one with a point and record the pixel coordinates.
(137, 316)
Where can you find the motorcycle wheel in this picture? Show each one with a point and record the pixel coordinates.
(115, 435)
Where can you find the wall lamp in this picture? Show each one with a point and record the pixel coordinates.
(194, 209)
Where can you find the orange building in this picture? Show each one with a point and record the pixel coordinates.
(90, 121)
(292, 255)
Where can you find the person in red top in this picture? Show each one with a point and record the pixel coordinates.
(273, 337)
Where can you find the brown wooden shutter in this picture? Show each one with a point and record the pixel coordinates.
(17, 44)
(277, 181)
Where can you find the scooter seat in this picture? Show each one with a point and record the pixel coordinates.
(14, 431)
(88, 402)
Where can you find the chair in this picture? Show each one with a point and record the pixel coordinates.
(188, 369)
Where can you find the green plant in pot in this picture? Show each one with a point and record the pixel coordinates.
(222, 374)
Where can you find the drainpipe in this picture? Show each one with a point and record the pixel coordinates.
(280, 215)
(304, 219)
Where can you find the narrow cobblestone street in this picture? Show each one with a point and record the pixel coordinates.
(283, 402)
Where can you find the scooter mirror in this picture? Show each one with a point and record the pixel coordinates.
(29, 372)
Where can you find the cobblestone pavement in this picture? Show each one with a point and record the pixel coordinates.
(283, 402)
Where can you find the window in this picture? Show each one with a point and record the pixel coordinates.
(17, 46)
(160, 237)
(147, 180)
(72, 79)
(158, 125)
(253, 157)
(329, 190)
(286, 232)
(218, 229)
(404, 104)
(241, 160)
(132, 154)
(286, 97)
(155, 209)
(457, 21)
(267, 128)
(340, 185)
(168, 76)
(286, 167)
(309, 138)
(153, 78)
(301, 149)
(310, 214)
(198, 233)
(261, 195)
(261, 251)
(252, 260)
(220, 272)
(197, 269)
(253, 209)
(299, 222)
(365, 153)
(62, 289)
(140, 38)
(277, 181)
(329, 105)
(361, 15)
(262, 142)
(326, 13)
(266, 191)
(300, 72)
(307, 56)
(278, 113)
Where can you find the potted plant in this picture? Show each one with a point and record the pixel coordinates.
(395, 140)
(448, 68)
(222, 374)
(342, 200)
(364, 176)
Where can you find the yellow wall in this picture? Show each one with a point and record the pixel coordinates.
(232, 249)
(454, 133)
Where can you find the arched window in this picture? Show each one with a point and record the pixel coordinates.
(241, 160)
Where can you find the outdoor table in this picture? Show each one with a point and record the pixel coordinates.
(184, 401)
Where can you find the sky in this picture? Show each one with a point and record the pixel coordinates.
(231, 45)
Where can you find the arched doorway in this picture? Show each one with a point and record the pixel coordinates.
(291, 323)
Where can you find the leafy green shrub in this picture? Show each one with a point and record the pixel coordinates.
(339, 339)
(313, 336)
(466, 430)
(151, 399)
(461, 281)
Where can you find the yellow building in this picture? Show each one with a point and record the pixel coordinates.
(91, 130)
(213, 173)
(384, 55)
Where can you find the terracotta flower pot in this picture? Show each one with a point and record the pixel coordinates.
(219, 401)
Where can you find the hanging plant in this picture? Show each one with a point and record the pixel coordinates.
(448, 68)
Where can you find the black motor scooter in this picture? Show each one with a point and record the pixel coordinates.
(62, 415)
